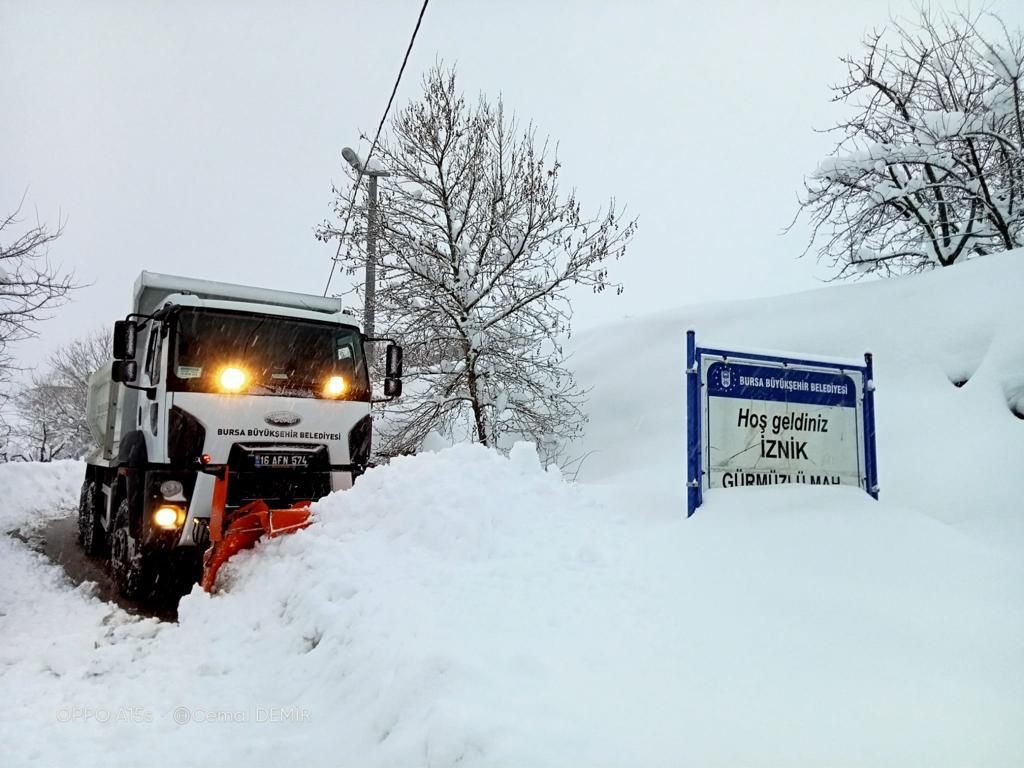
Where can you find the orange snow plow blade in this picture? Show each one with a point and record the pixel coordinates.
(238, 529)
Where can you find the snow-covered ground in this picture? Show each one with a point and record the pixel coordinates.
(461, 608)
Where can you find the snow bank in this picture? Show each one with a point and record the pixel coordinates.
(953, 453)
(38, 491)
(464, 608)
(461, 608)
(48, 628)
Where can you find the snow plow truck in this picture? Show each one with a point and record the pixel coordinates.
(225, 411)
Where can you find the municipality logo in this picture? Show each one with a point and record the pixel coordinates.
(726, 377)
(282, 419)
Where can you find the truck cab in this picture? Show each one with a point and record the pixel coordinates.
(274, 385)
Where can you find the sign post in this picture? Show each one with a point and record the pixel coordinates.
(758, 419)
(694, 474)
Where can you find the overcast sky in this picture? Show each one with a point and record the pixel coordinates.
(202, 138)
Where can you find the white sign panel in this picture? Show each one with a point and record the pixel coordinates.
(780, 423)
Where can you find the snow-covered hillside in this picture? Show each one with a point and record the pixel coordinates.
(952, 453)
(461, 608)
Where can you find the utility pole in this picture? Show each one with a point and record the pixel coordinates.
(370, 288)
(370, 291)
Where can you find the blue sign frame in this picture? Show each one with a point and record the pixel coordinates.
(822, 384)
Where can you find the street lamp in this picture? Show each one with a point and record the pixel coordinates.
(370, 291)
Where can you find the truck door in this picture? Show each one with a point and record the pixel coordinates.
(152, 409)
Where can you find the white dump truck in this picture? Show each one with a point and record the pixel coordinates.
(271, 386)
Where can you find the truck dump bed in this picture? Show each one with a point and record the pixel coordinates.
(101, 410)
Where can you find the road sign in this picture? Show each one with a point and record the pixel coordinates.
(759, 419)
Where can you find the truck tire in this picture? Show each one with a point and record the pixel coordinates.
(131, 568)
(91, 535)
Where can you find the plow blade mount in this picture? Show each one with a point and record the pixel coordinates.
(235, 530)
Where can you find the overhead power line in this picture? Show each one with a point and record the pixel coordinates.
(373, 146)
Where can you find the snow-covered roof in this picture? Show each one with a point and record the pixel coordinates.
(152, 288)
(261, 308)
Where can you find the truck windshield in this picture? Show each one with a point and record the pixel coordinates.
(232, 352)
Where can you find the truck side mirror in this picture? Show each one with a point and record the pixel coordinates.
(125, 335)
(124, 371)
(392, 388)
(393, 364)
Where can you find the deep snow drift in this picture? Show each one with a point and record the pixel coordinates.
(460, 608)
(953, 453)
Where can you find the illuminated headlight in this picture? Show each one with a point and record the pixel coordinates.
(168, 518)
(171, 488)
(232, 379)
(335, 386)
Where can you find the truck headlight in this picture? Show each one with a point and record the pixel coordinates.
(168, 518)
(232, 379)
(335, 386)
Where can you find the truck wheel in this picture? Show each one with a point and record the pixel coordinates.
(132, 573)
(90, 533)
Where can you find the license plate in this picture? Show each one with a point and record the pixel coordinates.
(280, 460)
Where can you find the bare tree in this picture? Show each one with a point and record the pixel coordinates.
(51, 413)
(480, 250)
(40, 446)
(929, 169)
(30, 287)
